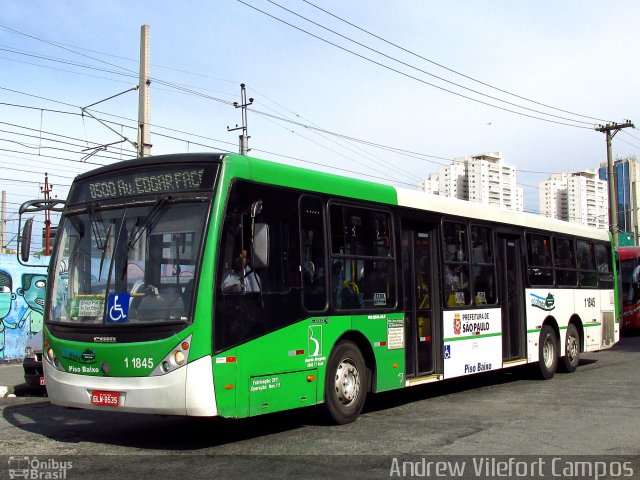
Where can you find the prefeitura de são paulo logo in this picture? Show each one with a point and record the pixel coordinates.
(457, 324)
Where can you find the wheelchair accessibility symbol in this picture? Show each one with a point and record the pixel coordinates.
(447, 352)
(118, 308)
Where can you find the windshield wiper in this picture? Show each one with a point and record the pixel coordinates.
(104, 249)
(138, 231)
(95, 226)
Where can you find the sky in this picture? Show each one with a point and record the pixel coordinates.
(425, 81)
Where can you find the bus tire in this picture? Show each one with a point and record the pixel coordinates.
(547, 352)
(570, 361)
(345, 383)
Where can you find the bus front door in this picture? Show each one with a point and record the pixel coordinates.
(420, 335)
(511, 295)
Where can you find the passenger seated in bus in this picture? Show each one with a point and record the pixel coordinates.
(241, 278)
(456, 285)
(345, 293)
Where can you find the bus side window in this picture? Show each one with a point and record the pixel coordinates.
(586, 264)
(603, 262)
(565, 262)
(540, 269)
(313, 263)
(456, 269)
(362, 264)
(484, 284)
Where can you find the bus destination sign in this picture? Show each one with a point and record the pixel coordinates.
(183, 180)
(162, 180)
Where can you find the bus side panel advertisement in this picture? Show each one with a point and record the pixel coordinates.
(472, 341)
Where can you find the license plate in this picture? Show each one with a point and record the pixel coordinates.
(108, 399)
(41, 380)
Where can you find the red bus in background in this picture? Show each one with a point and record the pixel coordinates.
(630, 291)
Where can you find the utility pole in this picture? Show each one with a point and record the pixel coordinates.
(244, 138)
(3, 226)
(144, 96)
(610, 130)
(47, 215)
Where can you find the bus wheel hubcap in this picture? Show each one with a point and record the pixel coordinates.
(548, 352)
(572, 348)
(347, 383)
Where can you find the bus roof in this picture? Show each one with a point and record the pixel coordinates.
(332, 184)
(463, 208)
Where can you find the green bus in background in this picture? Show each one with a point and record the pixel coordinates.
(223, 285)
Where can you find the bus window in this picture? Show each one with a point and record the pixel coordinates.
(456, 269)
(314, 271)
(540, 269)
(565, 262)
(587, 274)
(362, 267)
(484, 285)
(603, 262)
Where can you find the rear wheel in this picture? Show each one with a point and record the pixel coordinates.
(345, 383)
(548, 352)
(571, 359)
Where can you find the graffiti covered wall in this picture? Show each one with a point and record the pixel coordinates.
(22, 292)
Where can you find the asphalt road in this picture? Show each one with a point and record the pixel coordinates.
(592, 412)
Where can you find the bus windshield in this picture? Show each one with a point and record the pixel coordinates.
(128, 265)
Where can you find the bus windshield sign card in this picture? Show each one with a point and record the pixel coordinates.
(118, 308)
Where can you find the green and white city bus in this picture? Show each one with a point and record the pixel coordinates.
(222, 285)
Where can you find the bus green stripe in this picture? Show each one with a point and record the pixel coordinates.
(471, 337)
(597, 324)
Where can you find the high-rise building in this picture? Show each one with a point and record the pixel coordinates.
(579, 197)
(627, 181)
(483, 178)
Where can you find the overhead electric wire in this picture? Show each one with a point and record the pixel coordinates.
(450, 69)
(413, 77)
(424, 71)
(201, 95)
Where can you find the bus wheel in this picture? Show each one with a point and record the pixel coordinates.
(548, 352)
(345, 383)
(571, 359)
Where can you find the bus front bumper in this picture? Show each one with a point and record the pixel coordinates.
(185, 391)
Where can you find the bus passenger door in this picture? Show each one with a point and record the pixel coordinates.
(421, 339)
(511, 297)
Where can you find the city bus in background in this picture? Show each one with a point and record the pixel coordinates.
(223, 285)
(630, 290)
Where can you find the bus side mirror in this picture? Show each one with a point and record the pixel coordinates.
(25, 240)
(260, 246)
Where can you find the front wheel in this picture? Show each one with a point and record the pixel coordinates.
(345, 383)
(548, 352)
(571, 359)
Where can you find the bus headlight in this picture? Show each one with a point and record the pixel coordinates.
(177, 358)
(50, 357)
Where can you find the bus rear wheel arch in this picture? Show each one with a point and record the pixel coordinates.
(346, 383)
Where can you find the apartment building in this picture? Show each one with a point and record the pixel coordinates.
(483, 178)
